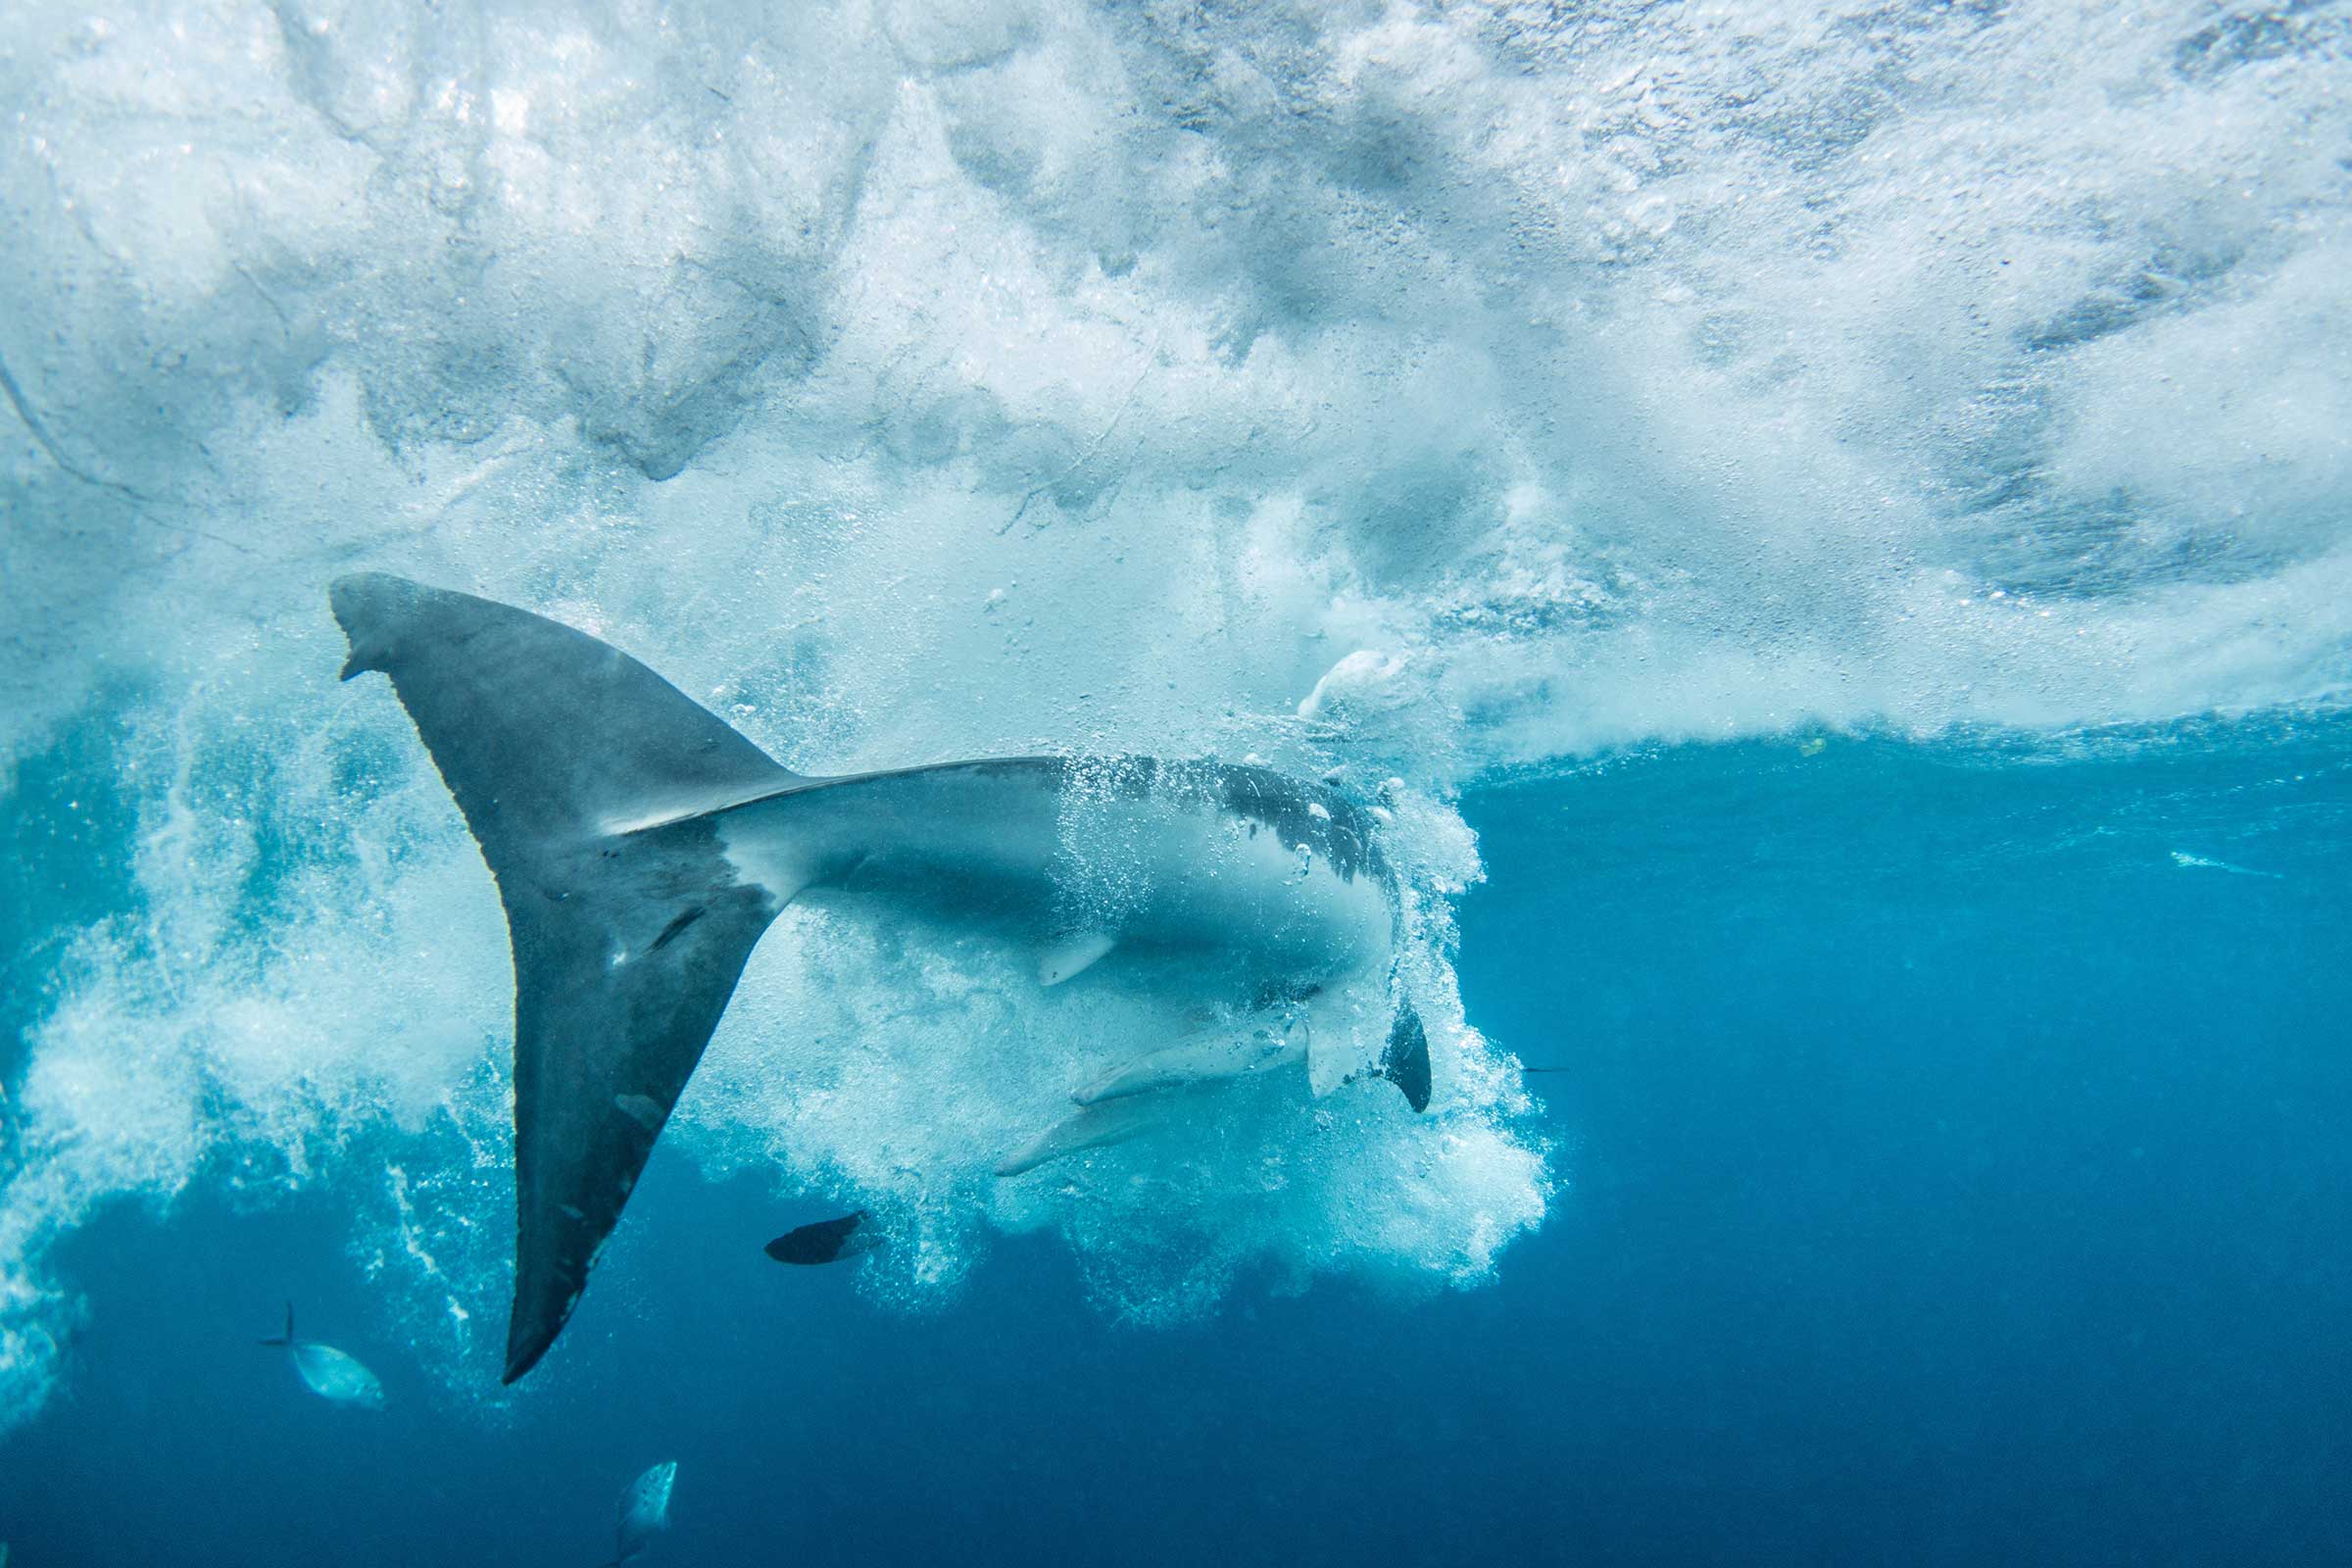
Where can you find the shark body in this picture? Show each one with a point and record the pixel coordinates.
(642, 847)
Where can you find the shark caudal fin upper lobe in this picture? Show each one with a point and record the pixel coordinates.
(586, 778)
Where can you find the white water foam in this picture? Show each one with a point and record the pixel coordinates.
(1419, 388)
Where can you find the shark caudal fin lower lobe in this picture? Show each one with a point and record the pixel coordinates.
(586, 778)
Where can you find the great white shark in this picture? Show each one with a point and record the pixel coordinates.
(642, 847)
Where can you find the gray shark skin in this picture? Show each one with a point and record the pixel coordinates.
(1101, 1125)
(1215, 1055)
(641, 848)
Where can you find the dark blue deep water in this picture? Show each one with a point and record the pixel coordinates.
(1949, 1174)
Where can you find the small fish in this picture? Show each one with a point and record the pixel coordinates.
(2198, 863)
(644, 1510)
(327, 1372)
(828, 1241)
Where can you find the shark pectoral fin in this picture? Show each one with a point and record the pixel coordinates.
(1071, 955)
(1334, 1056)
(1341, 1049)
(1212, 1060)
(1095, 1127)
(1323, 1074)
(1330, 1058)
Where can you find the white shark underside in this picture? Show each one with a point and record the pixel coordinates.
(642, 847)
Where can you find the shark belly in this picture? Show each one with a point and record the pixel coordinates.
(1026, 850)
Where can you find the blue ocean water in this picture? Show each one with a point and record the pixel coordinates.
(1951, 1169)
(1823, 531)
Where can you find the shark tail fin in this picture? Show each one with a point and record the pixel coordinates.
(288, 1338)
(589, 782)
(1405, 1063)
